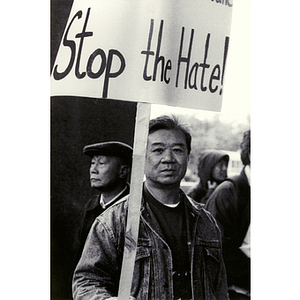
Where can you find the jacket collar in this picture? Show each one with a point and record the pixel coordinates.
(192, 207)
(95, 200)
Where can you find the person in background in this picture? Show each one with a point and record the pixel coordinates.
(230, 205)
(109, 174)
(212, 170)
(179, 252)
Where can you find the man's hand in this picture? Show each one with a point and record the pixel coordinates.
(211, 185)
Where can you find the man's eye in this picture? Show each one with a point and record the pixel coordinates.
(178, 150)
(158, 150)
(97, 162)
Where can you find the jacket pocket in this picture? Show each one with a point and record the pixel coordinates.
(211, 249)
(208, 258)
(213, 253)
(143, 249)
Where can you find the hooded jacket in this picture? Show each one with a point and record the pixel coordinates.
(98, 271)
(207, 160)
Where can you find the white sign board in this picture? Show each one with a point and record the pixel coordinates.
(170, 52)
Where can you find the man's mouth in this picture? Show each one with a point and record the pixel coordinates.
(168, 171)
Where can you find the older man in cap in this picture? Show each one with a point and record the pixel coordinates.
(109, 173)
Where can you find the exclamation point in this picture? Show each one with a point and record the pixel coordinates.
(224, 61)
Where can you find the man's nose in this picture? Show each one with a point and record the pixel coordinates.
(168, 157)
(93, 169)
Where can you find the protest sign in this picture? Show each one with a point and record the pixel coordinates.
(164, 52)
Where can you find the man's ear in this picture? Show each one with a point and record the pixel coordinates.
(124, 171)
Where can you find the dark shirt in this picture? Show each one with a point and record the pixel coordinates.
(172, 222)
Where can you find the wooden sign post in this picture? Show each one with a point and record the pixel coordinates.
(135, 197)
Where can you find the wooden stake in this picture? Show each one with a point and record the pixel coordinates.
(135, 197)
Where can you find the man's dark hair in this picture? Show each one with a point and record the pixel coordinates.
(166, 122)
(245, 148)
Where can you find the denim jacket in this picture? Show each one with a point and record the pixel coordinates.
(98, 271)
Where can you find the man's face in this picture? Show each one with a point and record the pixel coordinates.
(105, 172)
(166, 158)
(219, 171)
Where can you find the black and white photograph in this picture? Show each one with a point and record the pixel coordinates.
(171, 220)
(152, 157)
(150, 180)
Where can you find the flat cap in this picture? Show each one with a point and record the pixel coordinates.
(111, 148)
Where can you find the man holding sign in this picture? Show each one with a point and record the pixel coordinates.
(179, 244)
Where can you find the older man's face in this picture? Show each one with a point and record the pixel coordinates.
(105, 172)
(166, 158)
